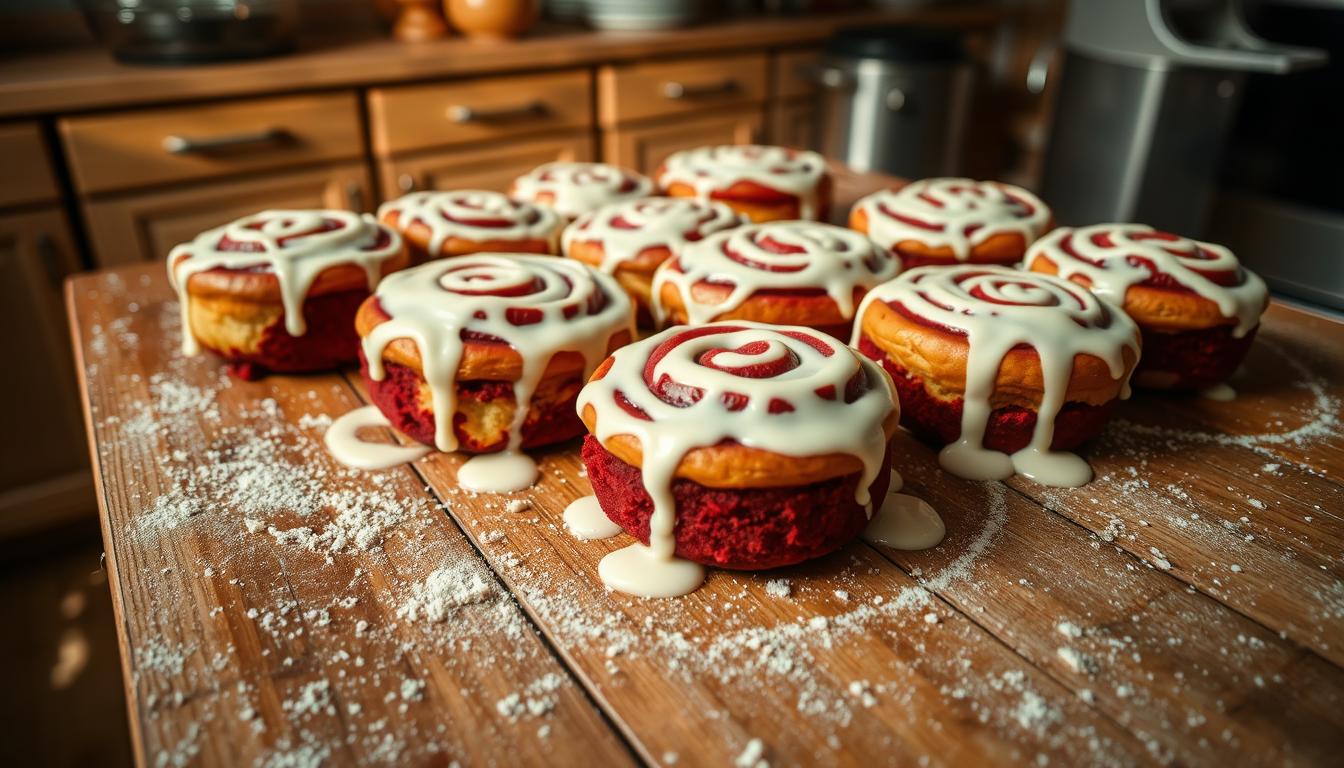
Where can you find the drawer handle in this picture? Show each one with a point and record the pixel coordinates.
(459, 113)
(678, 91)
(186, 145)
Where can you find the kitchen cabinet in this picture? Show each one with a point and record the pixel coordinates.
(794, 119)
(145, 226)
(44, 479)
(488, 167)
(676, 89)
(643, 146)
(795, 124)
(146, 147)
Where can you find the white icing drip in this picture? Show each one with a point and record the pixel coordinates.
(961, 214)
(458, 213)
(1112, 273)
(715, 169)
(296, 262)
(1222, 393)
(579, 188)
(503, 472)
(343, 441)
(815, 426)
(1057, 318)
(834, 259)
(432, 305)
(585, 519)
(625, 230)
(905, 522)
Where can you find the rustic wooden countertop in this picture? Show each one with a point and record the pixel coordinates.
(276, 609)
(90, 79)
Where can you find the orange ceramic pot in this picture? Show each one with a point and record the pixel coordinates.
(492, 18)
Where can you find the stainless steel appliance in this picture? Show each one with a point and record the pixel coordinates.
(1148, 95)
(1280, 200)
(895, 100)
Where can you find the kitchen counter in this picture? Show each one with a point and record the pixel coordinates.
(89, 79)
(1186, 607)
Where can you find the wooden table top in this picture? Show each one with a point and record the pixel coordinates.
(275, 608)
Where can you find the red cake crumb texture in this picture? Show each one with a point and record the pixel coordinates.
(1009, 430)
(329, 342)
(397, 396)
(742, 529)
(1192, 360)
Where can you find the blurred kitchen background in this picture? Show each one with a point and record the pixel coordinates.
(127, 126)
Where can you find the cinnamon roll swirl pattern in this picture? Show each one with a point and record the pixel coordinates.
(783, 272)
(947, 220)
(760, 182)
(1009, 369)
(699, 434)
(459, 222)
(573, 189)
(277, 290)
(487, 352)
(1197, 306)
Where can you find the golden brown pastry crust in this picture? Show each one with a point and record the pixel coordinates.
(418, 236)
(1168, 310)
(1004, 248)
(938, 357)
(489, 422)
(635, 275)
(480, 361)
(739, 198)
(231, 310)
(775, 308)
(733, 465)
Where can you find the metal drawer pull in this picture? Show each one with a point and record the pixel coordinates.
(676, 91)
(463, 114)
(186, 145)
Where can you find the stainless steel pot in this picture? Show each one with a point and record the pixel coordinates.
(895, 100)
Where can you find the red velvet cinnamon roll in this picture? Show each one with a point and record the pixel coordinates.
(736, 445)
(1197, 307)
(950, 221)
(442, 224)
(780, 272)
(630, 240)
(573, 189)
(761, 183)
(486, 353)
(277, 291)
(1008, 370)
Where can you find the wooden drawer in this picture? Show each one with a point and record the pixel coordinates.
(653, 89)
(135, 149)
(644, 147)
(28, 176)
(793, 73)
(492, 167)
(138, 227)
(795, 124)
(427, 116)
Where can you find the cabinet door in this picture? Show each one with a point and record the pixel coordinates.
(44, 478)
(131, 228)
(795, 123)
(493, 167)
(642, 147)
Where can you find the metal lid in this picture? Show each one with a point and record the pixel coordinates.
(921, 45)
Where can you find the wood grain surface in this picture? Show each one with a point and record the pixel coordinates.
(1186, 607)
